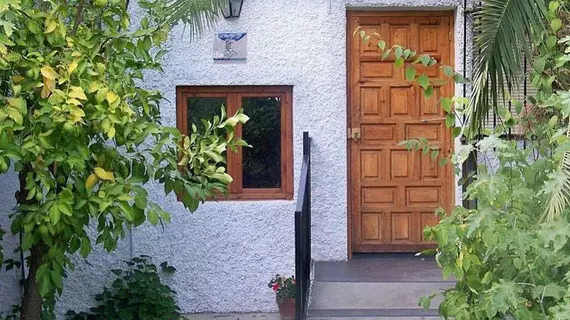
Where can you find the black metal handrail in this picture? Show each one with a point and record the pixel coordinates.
(303, 234)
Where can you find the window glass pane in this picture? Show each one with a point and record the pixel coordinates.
(203, 108)
(262, 163)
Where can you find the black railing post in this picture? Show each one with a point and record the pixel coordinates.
(303, 233)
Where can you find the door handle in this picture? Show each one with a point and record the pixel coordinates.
(354, 134)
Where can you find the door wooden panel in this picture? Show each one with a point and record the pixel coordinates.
(394, 192)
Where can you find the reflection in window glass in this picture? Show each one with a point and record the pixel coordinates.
(203, 108)
(262, 163)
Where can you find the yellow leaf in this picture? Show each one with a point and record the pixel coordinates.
(45, 92)
(77, 92)
(111, 133)
(50, 26)
(112, 97)
(15, 115)
(104, 175)
(72, 66)
(74, 102)
(94, 86)
(77, 113)
(91, 181)
(50, 84)
(49, 73)
(17, 78)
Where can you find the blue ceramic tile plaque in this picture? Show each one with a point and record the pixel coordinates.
(230, 46)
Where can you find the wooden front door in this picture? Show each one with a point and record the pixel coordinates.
(394, 192)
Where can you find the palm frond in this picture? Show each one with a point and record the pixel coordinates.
(503, 28)
(197, 15)
(559, 198)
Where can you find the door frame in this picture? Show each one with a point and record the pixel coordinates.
(409, 11)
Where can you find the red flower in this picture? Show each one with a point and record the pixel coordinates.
(276, 287)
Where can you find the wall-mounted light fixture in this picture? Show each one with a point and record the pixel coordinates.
(232, 9)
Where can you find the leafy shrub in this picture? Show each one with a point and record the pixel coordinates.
(506, 260)
(137, 294)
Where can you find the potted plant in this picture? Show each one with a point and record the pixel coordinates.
(285, 290)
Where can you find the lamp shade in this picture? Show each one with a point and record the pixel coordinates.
(232, 9)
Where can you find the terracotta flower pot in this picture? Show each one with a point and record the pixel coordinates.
(286, 308)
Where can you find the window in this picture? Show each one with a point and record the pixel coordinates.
(266, 170)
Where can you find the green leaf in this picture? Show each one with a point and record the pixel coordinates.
(27, 241)
(65, 208)
(386, 54)
(423, 80)
(448, 71)
(456, 132)
(450, 120)
(45, 285)
(428, 92)
(399, 62)
(57, 279)
(425, 302)
(410, 73)
(460, 79)
(556, 24)
(382, 44)
(127, 210)
(551, 42)
(141, 201)
(85, 247)
(152, 217)
(54, 214)
(446, 104)
(165, 216)
(398, 52)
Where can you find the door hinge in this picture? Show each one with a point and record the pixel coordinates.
(449, 36)
(353, 133)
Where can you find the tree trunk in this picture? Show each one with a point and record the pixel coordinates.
(32, 300)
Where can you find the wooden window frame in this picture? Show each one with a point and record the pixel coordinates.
(233, 95)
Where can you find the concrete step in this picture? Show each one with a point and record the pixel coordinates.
(373, 295)
(373, 314)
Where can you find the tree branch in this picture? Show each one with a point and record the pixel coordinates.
(78, 16)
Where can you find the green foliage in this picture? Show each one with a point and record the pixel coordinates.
(84, 135)
(137, 294)
(501, 26)
(510, 255)
(284, 287)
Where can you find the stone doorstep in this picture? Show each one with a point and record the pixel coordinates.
(335, 314)
(385, 295)
(232, 316)
(377, 318)
(319, 316)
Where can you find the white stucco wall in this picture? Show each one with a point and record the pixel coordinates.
(226, 252)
